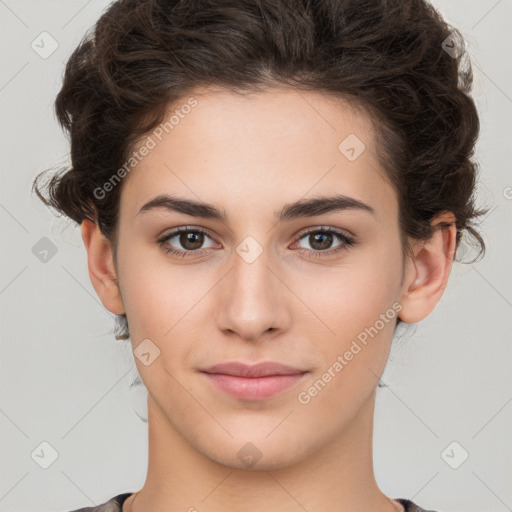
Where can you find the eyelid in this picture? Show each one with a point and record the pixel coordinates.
(176, 231)
(330, 229)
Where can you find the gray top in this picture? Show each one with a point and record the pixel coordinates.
(115, 504)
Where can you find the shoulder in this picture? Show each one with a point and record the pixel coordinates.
(409, 506)
(114, 504)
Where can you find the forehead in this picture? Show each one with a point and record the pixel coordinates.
(266, 148)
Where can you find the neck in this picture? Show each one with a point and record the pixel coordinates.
(339, 476)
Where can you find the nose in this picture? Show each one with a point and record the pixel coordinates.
(254, 302)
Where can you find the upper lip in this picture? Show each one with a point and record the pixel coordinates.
(257, 370)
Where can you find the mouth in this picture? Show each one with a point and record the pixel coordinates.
(253, 382)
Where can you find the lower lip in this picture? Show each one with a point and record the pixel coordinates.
(253, 388)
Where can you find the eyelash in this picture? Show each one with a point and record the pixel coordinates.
(347, 242)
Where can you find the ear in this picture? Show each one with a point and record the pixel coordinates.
(102, 272)
(428, 270)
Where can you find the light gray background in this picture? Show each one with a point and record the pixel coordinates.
(65, 380)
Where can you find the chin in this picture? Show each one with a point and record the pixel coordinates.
(253, 450)
(251, 458)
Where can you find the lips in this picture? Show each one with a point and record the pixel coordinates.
(253, 382)
(258, 370)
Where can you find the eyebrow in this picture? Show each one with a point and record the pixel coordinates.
(298, 209)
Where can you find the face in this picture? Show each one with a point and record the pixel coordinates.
(315, 288)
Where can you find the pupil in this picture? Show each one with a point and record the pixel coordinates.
(326, 240)
(191, 240)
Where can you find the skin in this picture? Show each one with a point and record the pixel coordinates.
(251, 156)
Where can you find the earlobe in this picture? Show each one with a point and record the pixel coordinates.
(102, 271)
(428, 270)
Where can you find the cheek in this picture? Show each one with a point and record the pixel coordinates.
(164, 303)
(155, 294)
(354, 296)
(356, 303)
(357, 306)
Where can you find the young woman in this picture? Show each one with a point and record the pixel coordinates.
(266, 189)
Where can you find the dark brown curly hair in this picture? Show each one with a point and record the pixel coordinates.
(397, 59)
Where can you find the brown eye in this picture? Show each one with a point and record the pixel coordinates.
(185, 242)
(191, 240)
(321, 240)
